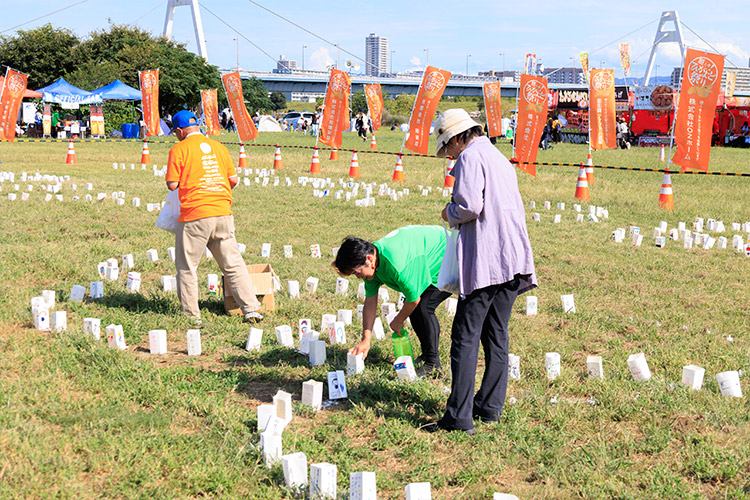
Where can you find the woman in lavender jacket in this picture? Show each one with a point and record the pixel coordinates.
(495, 266)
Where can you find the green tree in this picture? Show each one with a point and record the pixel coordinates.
(122, 51)
(278, 99)
(401, 105)
(256, 96)
(359, 102)
(44, 53)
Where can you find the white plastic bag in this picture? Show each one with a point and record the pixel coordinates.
(448, 277)
(170, 212)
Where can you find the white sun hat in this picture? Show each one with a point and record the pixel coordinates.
(452, 122)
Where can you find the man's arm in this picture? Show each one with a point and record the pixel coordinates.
(172, 185)
(398, 321)
(233, 181)
(369, 312)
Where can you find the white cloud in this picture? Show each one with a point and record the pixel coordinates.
(321, 59)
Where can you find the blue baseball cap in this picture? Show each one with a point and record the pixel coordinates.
(183, 119)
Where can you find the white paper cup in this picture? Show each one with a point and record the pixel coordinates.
(729, 383)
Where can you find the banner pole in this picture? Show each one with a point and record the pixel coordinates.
(413, 107)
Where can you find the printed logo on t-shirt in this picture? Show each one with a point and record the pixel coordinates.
(205, 147)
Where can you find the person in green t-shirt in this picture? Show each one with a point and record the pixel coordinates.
(407, 260)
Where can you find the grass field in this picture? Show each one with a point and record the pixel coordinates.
(79, 420)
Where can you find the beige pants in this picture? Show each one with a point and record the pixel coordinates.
(216, 233)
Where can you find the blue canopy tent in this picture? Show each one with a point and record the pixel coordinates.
(61, 92)
(118, 91)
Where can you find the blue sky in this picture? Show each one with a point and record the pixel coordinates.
(476, 31)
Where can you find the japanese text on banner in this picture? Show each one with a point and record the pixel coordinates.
(209, 101)
(374, 96)
(492, 108)
(602, 105)
(532, 116)
(430, 91)
(233, 87)
(336, 112)
(12, 94)
(701, 83)
(149, 81)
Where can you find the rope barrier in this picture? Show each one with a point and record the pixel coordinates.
(412, 155)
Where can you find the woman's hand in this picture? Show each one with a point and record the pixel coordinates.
(361, 348)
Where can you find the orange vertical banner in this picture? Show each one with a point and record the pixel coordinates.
(336, 112)
(149, 81)
(584, 57)
(532, 116)
(374, 96)
(233, 87)
(12, 93)
(210, 104)
(430, 91)
(492, 108)
(602, 118)
(701, 83)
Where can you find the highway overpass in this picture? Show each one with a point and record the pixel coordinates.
(313, 83)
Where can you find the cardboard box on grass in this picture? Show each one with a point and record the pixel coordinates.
(261, 276)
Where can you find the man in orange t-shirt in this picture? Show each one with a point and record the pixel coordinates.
(203, 172)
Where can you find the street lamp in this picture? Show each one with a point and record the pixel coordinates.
(503, 56)
(303, 57)
(467, 64)
(237, 40)
(392, 52)
(427, 59)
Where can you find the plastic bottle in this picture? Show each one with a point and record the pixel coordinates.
(402, 344)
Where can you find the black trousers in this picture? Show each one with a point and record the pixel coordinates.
(426, 324)
(482, 317)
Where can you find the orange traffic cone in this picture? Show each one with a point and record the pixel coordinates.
(145, 155)
(373, 143)
(334, 154)
(243, 157)
(449, 179)
(582, 186)
(315, 165)
(661, 154)
(71, 158)
(666, 198)
(278, 164)
(398, 171)
(354, 166)
(589, 171)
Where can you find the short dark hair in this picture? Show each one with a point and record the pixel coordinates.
(352, 253)
(467, 135)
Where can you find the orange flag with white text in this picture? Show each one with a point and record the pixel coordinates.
(492, 108)
(532, 116)
(149, 81)
(430, 91)
(210, 104)
(233, 87)
(336, 112)
(602, 118)
(374, 96)
(12, 93)
(701, 83)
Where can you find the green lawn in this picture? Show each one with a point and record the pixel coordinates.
(79, 420)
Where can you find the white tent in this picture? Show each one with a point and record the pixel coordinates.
(268, 123)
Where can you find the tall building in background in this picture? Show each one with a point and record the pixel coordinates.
(564, 75)
(284, 65)
(376, 55)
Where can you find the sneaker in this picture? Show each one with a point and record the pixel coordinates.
(253, 317)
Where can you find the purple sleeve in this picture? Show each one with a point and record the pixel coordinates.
(468, 193)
